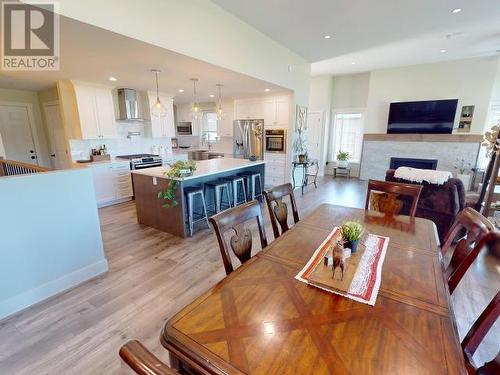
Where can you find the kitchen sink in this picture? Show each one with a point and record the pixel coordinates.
(204, 155)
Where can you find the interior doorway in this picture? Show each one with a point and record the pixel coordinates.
(16, 131)
(57, 138)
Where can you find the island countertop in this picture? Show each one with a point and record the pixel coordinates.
(203, 168)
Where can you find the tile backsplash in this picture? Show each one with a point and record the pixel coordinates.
(122, 145)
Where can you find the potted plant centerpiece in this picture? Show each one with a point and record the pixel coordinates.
(343, 159)
(179, 169)
(351, 232)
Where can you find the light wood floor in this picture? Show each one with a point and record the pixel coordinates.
(153, 275)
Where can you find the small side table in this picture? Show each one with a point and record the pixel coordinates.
(305, 173)
(342, 171)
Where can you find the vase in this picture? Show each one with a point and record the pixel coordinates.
(465, 178)
(353, 245)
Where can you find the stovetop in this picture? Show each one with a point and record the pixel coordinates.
(136, 156)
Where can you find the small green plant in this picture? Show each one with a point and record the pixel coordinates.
(177, 170)
(351, 231)
(343, 155)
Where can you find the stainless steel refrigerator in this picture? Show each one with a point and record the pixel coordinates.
(248, 138)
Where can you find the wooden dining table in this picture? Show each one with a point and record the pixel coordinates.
(261, 320)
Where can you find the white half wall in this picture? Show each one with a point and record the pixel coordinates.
(51, 237)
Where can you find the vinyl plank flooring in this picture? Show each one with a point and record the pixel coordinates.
(151, 276)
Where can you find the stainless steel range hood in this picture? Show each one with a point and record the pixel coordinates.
(128, 105)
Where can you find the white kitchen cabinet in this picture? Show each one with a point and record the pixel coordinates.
(225, 125)
(274, 110)
(248, 109)
(275, 168)
(183, 113)
(95, 112)
(162, 126)
(112, 182)
(282, 111)
(269, 112)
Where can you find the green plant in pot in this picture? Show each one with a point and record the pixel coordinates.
(343, 158)
(351, 232)
(179, 169)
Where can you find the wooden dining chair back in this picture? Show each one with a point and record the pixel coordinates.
(471, 226)
(139, 360)
(236, 219)
(489, 242)
(278, 210)
(476, 335)
(383, 196)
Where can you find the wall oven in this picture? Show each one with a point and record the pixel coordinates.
(276, 140)
(184, 128)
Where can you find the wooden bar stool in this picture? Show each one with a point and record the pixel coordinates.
(251, 184)
(220, 188)
(191, 193)
(237, 184)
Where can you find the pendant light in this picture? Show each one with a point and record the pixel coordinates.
(158, 109)
(195, 108)
(219, 104)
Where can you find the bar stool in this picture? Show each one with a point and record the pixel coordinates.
(236, 183)
(190, 193)
(251, 183)
(220, 188)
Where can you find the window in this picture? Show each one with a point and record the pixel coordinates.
(348, 135)
(209, 132)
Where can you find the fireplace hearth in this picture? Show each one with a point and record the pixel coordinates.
(413, 163)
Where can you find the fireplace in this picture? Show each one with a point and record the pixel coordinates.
(413, 163)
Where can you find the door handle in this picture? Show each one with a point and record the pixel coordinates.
(33, 157)
(32, 151)
(53, 155)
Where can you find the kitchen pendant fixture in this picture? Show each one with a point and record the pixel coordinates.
(195, 108)
(158, 109)
(219, 105)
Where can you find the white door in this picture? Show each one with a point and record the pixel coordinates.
(57, 139)
(16, 133)
(314, 131)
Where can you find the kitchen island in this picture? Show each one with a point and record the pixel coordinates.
(148, 182)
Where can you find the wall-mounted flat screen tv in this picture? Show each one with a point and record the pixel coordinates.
(424, 117)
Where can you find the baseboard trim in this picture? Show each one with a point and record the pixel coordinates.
(51, 288)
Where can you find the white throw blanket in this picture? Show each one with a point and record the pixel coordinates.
(419, 175)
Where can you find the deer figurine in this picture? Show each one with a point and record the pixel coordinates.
(338, 257)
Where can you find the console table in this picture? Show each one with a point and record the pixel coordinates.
(305, 165)
(343, 171)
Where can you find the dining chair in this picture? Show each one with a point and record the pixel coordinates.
(141, 361)
(476, 335)
(278, 210)
(490, 241)
(382, 196)
(470, 226)
(236, 219)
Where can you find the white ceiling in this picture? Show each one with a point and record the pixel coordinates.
(92, 54)
(375, 33)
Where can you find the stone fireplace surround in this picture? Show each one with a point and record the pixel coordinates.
(445, 148)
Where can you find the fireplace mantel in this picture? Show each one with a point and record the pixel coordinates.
(465, 138)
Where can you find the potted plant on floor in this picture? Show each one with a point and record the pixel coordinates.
(179, 169)
(351, 232)
(343, 159)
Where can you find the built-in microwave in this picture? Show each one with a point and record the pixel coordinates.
(184, 128)
(276, 140)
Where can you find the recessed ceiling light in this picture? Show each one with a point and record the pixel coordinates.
(443, 50)
(181, 90)
(112, 79)
(353, 63)
(212, 95)
(327, 36)
(267, 90)
(456, 10)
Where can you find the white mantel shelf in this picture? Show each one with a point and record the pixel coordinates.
(465, 138)
(203, 168)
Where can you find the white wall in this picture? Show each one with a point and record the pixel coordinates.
(31, 97)
(51, 238)
(470, 81)
(350, 92)
(200, 29)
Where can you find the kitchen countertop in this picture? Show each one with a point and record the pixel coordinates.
(203, 168)
(91, 163)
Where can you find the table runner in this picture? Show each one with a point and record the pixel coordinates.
(366, 280)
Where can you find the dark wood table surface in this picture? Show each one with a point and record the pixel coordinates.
(260, 320)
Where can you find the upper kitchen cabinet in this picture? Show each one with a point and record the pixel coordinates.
(162, 126)
(86, 110)
(274, 110)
